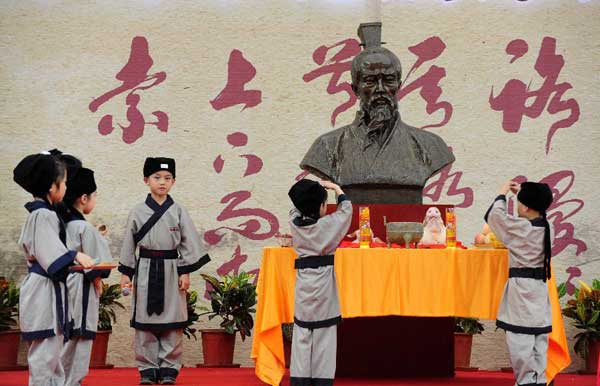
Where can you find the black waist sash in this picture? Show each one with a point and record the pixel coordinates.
(528, 273)
(156, 277)
(313, 262)
(62, 308)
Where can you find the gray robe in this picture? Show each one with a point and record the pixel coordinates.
(83, 299)
(84, 237)
(525, 306)
(43, 303)
(174, 232)
(316, 304)
(524, 313)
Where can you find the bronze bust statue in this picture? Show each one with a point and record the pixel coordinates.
(377, 159)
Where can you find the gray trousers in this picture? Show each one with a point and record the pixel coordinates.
(158, 349)
(43, 357)
(528, 357)
(313, 356)
(75, 358)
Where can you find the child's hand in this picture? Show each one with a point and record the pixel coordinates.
(184, 282)
(125, 281)
(330, 185)
(84, 260)
(98, 285)
(508, 186)
(103, 229)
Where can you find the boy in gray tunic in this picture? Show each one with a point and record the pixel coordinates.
(85, 287)
(525, 312)
(316, 305)
(169, 248)
(44, 316)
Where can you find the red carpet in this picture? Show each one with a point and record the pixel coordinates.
(246, 377)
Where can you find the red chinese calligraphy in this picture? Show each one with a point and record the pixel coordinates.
(337, 66)
(434, 189)
(254, 163)
(573, 272)
(250, 229)
(232, 267)
(262, 223)
(134, 77)
(561, 210)
(239, 72)
(427, 84)
(516, 100)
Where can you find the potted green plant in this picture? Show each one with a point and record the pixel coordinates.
(464, 329)
(584, 309)
(106, 317)
(191, 298)
(232, 298)
(9, 331)
(287, 330)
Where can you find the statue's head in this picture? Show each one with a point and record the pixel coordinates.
(376, 74)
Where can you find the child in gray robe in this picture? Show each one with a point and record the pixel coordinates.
(85, 287)
(168, 250)
(525, 312)
(316, 305)
(44, 316)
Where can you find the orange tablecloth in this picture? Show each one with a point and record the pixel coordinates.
(381, 281)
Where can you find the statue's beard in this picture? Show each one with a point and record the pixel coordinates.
(380, 116)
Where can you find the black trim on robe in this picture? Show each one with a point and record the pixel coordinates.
(304, 221)
(313, 261)
(156, 275)
(159, 210)
(158, 326)
(487, 213)
(125, 270)
(319, 323)
(193, 267)
(528, 273)
(522, 329)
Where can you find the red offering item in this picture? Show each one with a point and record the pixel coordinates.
(95, 267)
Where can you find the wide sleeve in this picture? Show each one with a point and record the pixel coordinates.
(335, 225)
(96, 246)
(127, 257)
(192, 253)
(507, 228)
(52, 255)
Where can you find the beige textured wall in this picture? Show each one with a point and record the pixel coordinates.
(59, 55)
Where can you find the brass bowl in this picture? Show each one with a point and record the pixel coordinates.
(403, 233)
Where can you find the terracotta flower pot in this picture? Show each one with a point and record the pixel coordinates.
(99, 350)
(9, 349)
(462, 350)
(217, 348)
(591, 362)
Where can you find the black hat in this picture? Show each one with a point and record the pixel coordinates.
(535, 195)
(36, 173)
(307, 196)
(71, 162)
(80, 183)
(155, 164)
